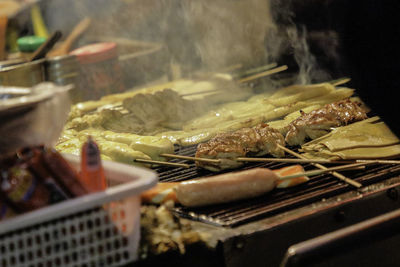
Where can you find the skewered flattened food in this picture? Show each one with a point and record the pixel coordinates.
(156, 109)
(144, 146)
(226, 147)
(319, 122)
(282, 102)
(269, 140)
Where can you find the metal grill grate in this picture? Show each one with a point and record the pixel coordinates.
(277, 201)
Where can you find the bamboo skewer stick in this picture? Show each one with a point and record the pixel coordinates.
(321, 171)
(244, 80)
(284, 160)
(312, 161)
(379, 161)
(231, 68)
(253, 71)
(263, 74)
(299, 159)
(336, 174)
(202, 92)
(190, 158)
(244, 159)
(173, 164)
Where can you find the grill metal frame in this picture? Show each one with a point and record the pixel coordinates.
(278, 201)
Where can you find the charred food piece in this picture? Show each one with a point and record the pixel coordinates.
(319, 122)
(226, 147)
(269, 140)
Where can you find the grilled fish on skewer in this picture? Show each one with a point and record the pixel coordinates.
(319, 122)
(154, 109)
(269, 140)
(226, 147)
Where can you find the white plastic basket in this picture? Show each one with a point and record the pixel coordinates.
(99, 229)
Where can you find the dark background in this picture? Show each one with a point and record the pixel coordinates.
(358, 39)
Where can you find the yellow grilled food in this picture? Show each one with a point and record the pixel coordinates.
(370, 138)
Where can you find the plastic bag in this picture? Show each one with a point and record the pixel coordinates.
(35, 118)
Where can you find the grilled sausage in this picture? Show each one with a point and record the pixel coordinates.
(226, 187)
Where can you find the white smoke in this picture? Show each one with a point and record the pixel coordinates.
(207, 34)
(228, 32)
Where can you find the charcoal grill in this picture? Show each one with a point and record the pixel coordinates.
(259, 231)
(280, 200)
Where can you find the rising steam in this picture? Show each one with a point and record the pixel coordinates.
(201, 34)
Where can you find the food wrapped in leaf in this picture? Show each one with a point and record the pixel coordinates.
(369, 138)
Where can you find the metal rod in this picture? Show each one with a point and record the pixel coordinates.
(336, 174)
(338, 243)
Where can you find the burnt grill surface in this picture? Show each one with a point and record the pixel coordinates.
(277, 201)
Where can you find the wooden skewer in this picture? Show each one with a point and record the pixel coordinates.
(293, 160)
(244, 80)
(244, 159)
(336, 174)
(263, 74)
(321, 171)
(202, 92)
(244, 74)
(181, 165)
(231, 68)
(323, 161)
(312, 161)
(379, 161)
(190, 158)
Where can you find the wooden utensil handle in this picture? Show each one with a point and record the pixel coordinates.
(3, 28)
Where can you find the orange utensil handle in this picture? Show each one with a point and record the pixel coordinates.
(92, 172)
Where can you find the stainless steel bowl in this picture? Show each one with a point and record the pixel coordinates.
(65, 70)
